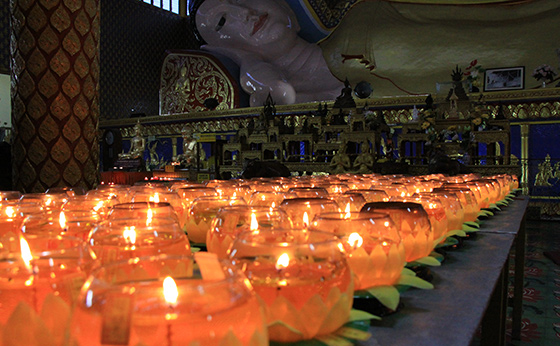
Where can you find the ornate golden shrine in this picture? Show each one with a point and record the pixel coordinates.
(524, 109)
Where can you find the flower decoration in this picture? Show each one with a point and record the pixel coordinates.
(544, 73)
(471, 74)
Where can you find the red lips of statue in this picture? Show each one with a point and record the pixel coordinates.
(259, 23)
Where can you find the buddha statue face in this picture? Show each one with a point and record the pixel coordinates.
(245, 23)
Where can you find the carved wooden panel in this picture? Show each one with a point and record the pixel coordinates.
(55, 59)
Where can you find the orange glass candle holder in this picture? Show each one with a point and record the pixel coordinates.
(202, 212)
(77, 224)
(168, 301)
(467, 199)
(373, 246)
(35, 266)
(233, 220)
(302, 210)
(435, 210)
(301, 277)
(309, 192)
(122, 239)
(413, 224)
(372, 195)
(355, 201)
(270, 199)
(11, 218)
(143, 211)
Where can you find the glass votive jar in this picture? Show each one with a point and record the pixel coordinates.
(115, 193)
(233, 220)
(122, 239)
(309, 192)
(467, 199)
(334, 188)
(77, 224)
(495, 190)
(202, 212)
(302, 210)
(372, 195)
(435, 210)
(452, 206)
(9, 195)
(170, 197)
(233, 191)
(189, 194)
(10, 218)
(143, 211)
(302, 278)
(373, 246)
(34, 266)
(395, 190)
(413, 225)
(168, 300)
(97, 204)
(49, 203)
(349, 200)
(271, 199)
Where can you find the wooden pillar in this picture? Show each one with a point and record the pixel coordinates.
(55, 94)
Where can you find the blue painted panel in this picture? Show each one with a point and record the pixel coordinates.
(543, 141)
(515, 140)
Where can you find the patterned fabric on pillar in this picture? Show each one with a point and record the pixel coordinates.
(55, 96)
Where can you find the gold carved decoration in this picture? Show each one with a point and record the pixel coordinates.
(188, 79)
(547, 172)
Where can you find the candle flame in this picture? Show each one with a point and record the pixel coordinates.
(149, 217)
(10, 212)
(305, 219)
(129, 234)
(98, 206)
(283, 261)
(155, 198)
(26, 255)
(355, 240)
(340, 247)
(347, 211)
(62, 220)
(170, 291)
(254, 223)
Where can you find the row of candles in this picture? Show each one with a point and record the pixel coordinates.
(284, 255)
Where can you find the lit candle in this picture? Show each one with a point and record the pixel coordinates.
(27, 257)
(62, 221)
(301, 277)
(170, 293)
(372, 245)
(254, 226)
(200, 301)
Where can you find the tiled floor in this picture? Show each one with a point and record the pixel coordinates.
(541, 296)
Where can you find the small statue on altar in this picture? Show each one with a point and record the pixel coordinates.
(428, 126)
(364, 162)
(345, 99)
(189, 155)
(479, 120)
(340, 162)
(137, 145)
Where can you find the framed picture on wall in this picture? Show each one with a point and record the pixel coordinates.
(507, 78)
